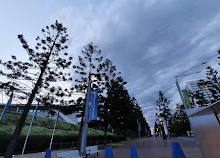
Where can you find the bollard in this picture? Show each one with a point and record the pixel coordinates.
(177, 152)
(134, 152)
(48, 153)
(109, 153)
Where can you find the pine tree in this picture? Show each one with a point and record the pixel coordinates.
(201, 100)
(117, 97)
(87, 69)
(49, 60)
(179, 123)
(212, 83)
(210, 88)
(163, 107)
(108, 72)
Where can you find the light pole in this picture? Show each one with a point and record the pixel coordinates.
(178, 86)
(162, 129)
(180, 92)
(139, 135)
(85, 122)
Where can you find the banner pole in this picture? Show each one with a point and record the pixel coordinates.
(85, 122)
(29, 130)
(51, 141)
(27, 136)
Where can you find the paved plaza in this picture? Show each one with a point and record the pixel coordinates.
(146, 148)
(157, 148)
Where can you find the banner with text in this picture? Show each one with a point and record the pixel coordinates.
(139, 126)
(93, 111)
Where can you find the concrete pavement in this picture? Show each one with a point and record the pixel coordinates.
(146, 148)
(157, 148)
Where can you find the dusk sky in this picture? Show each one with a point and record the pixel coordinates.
(150, 41)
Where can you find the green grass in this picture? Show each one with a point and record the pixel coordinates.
(41, 131)
(42, 126)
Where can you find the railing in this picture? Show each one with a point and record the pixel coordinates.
(71, 145)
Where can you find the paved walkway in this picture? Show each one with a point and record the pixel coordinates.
(157, 148)
(146, 148)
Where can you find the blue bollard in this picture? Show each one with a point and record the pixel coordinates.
(177, 152)
(109, 153)
(134, 152)
(48, 153)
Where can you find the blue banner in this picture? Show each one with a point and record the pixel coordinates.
(48, 153)
(6, 107)
(93, 105)
(35, 115)
(139, 126)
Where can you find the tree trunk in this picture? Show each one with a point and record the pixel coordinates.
(12, 145)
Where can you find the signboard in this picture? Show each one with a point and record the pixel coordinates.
(186, 97)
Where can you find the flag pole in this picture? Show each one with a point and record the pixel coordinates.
(6, 106)
(3, 111)
(138, 129)
(51, 141)
(27, 136)
(29, 130)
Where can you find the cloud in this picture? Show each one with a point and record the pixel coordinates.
(150, 42)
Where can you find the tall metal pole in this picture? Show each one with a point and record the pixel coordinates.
(29, 129)
(51, 140)
(139, 135)
(184, 103)
(27, 136)
(85, 123)
(181, 94)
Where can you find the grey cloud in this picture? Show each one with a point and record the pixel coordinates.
(150, 43)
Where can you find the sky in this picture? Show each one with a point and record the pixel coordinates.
(150, 41)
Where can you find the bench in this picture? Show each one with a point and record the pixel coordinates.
(75, 153)
(92, 150)
(69, 154)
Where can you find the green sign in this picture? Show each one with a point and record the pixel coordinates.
(186, 97)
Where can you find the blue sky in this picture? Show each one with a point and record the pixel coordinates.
(149, 41)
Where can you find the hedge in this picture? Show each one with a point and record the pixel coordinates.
(41, 142)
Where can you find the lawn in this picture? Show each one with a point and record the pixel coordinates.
(41, 131)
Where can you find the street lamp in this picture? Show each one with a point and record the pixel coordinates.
(161, 121)
(180, 92)
(162, 129)
(177, 83)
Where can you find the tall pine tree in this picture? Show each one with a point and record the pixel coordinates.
(49, 60)
(87, 69)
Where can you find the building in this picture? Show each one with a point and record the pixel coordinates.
(42, 112)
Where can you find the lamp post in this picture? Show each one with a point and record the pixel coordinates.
(162, 129)
(85, 122)
(180, 92)
(178, 86)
